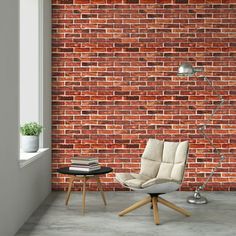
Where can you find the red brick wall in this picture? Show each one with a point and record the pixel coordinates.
(115, 83)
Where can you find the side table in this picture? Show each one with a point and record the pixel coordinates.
(84, 176)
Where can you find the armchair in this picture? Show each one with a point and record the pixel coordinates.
(162, 170)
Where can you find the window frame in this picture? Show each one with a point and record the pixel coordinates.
(25, 158)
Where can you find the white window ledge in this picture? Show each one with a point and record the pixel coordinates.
(27, 158)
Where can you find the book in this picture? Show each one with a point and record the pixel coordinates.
(89, 161)
(84, 162)
(84, 165)
(84, 169)
(85, 159)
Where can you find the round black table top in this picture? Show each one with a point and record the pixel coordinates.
(101, 171)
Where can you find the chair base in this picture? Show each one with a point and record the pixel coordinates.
(154, 199)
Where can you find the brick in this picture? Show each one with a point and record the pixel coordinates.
(65, 1)
(114, 84)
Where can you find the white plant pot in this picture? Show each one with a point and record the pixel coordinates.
(30, 143)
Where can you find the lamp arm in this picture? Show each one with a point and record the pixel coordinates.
(202, 129)
(219, 105)
(214, 88)
(201, 187)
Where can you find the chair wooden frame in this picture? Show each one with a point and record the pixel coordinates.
(154, 199)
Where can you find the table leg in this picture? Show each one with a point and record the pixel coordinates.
(72, 179)
(84, 194)
(101, 191)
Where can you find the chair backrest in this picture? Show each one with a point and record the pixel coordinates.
(164, 160)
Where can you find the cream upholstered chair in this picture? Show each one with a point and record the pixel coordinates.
(162, 170)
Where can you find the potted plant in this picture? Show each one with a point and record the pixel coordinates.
(30, 136)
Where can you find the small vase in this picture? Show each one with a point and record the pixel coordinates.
(30, 143)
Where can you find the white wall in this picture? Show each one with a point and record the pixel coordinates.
(21, 189)
(29, 60)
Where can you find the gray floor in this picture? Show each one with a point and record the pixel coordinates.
(53, 218)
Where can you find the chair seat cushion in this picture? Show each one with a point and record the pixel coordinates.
(153, 181)
(134, 183)
(142, 182)
(164, 187)
(131, 179)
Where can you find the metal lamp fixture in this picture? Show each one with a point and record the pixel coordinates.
(186, 69)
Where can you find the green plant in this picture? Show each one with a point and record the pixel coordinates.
(31, 129)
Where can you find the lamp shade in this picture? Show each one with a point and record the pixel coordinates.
(186, 69)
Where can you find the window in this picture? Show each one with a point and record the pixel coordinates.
(29, 61)
(30, 65)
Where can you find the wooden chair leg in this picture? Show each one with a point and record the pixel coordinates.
(155, 210)
(72, 179)
(173, 206)
(84, 194)
(101, 190)
(135, 206)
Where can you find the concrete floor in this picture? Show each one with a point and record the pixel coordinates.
(53, 218)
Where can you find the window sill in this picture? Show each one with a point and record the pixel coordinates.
(27, 158)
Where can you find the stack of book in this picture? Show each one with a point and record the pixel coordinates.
(84, 164)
